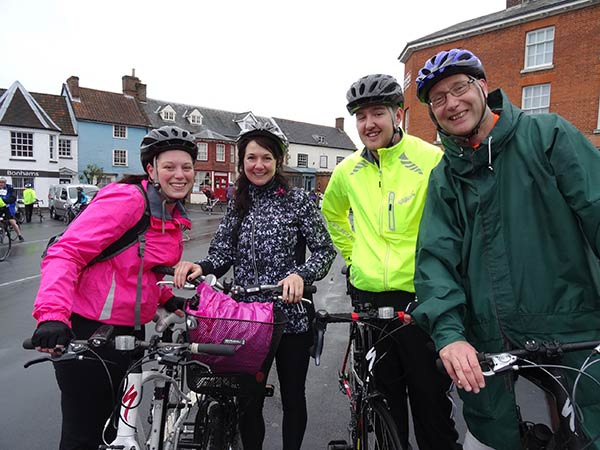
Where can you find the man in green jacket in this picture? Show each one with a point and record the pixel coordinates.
(29, 200)
(509, 241)
(385, 185)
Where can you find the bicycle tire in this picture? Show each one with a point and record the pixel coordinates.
(204, 207)
(5, 243)
(378, 430)
(215, 427)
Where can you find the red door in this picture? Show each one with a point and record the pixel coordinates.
(220, 186)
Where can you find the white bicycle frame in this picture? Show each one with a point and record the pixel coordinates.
(130, 430)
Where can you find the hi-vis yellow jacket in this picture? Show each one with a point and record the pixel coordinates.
(386, 200)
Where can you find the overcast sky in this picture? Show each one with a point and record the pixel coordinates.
(280, 58)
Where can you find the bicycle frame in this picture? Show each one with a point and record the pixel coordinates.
(368, 409)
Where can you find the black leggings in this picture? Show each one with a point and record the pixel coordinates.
(87, 399)
(292, 360)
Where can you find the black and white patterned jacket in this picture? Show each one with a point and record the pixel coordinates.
(265, 251)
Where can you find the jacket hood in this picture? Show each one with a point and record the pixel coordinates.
(464, 159)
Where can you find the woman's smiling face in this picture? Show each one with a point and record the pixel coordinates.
(259, 164)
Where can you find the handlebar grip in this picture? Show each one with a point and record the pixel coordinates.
(28, 345)
(213, 349)
(310, 289)
(165, 270)
(439, 365)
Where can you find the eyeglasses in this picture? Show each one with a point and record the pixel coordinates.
(457, 90)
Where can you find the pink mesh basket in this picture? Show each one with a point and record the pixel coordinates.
(221, 319)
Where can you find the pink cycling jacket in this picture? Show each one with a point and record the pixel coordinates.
(106, 291)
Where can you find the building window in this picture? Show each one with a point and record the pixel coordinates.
(232, 154)
(536, 99)
(64, 148)
(51, 149)
(539, 48)
(120, 158)
(168, 114)
(120, 131)
(202, 151)
(195, 119)
(406, 120)
(220, 157)
(323, 162)
(302, 160)
(21, 144)
(338, 159)
(319, 139)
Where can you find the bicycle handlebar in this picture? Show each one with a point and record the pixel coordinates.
(369, 313)
(231, 289)
(494, 363)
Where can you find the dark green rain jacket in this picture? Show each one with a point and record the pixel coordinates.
(508, 251)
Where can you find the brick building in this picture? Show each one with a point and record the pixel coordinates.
(544, 54)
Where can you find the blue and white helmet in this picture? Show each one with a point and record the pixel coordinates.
(444, 64)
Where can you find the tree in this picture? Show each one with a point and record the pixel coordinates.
(92, 174)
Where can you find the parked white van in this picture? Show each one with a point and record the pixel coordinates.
(60, 194)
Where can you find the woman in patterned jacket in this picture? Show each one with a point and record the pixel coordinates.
(258, 237)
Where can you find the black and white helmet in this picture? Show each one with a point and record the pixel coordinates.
(267, 129)
(376, 89)
(166, 138)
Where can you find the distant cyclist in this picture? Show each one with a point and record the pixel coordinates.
(75, 299)
(9, 197)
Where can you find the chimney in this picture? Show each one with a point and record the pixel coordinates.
(339, 123)
(133, 87)
(511, 3)
(73, 84)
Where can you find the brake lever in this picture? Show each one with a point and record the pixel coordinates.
(501, 363)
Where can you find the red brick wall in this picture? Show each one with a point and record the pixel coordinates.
(574, 79)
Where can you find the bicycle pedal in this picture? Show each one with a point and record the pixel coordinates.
(269, 390)
(338, 445)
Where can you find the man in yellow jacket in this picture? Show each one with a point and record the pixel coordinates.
(29, 200)
(384, 185)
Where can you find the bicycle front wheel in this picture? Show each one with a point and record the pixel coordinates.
(5, 243)
(377, 428)
(216, 426)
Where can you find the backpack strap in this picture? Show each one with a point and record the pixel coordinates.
(130, 237)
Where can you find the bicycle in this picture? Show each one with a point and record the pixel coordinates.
(170, 405)
(38, 208)
(222, 382)
(541, 365)
(20, 212)
(211, 205)
(72, 211)
(371, 425)
(6, 238)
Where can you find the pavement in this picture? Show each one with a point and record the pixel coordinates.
(203, 225)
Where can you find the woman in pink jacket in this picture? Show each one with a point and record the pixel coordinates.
(76, 297)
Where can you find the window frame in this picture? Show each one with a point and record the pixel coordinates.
(64, 146)
(220, 153)
(537, 49)
(202, 150)
(323, 162)
(119, 131)
(21, 144)
(302, 160)
(539, 108)
(114, 157)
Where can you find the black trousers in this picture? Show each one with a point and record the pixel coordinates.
(28, 212)
(292, 359)
(407, 373)
(87, 397)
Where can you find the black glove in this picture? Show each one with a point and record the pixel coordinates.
(51, 333)
(174, 303)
